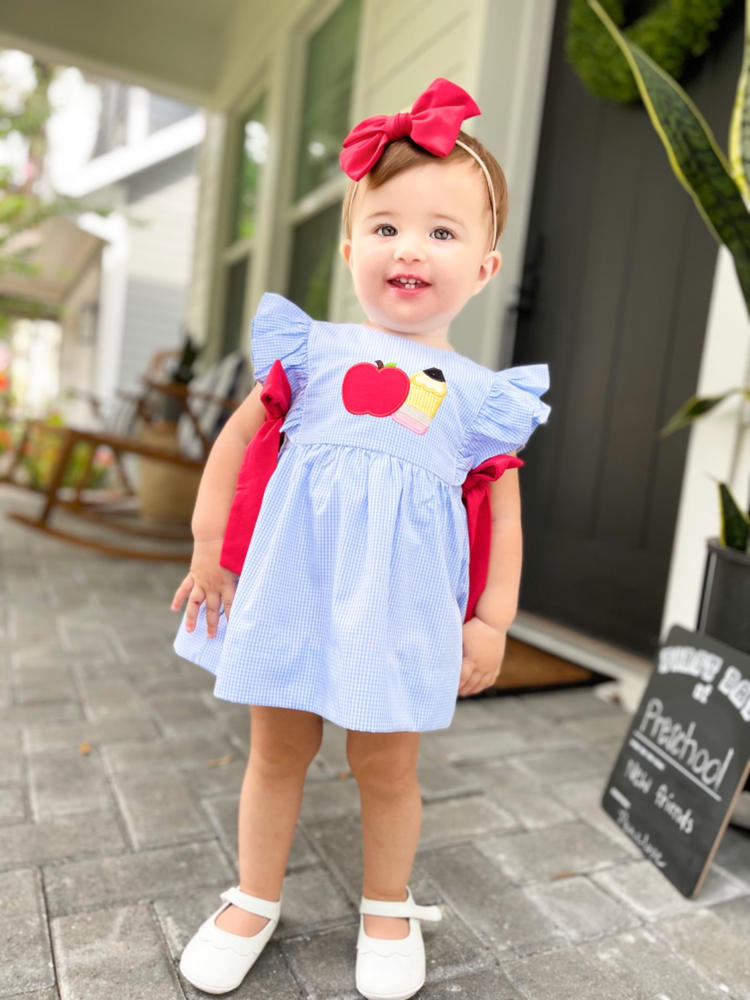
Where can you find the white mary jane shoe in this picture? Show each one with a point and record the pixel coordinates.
(392, 970)
(216, 961)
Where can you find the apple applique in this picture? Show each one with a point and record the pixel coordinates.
(376, 389)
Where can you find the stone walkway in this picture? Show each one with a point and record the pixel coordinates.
(119, 781)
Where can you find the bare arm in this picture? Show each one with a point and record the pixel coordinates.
(498, 602)
(484, 635)
(207, 580)
(222, 468)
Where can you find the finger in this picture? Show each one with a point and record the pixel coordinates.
(467, 669)
(212, 614)
(468, 683)
(181, 593)
(197, 597)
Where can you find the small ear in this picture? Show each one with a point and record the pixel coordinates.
(346, 251)
(488, 269)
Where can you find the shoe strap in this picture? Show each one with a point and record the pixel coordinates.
(394, 908)
(253, 904)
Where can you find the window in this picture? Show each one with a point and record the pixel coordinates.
(319, 182)
(238, 255)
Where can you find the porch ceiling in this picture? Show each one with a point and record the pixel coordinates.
(178, 49)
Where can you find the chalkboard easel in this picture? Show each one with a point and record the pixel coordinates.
(685, 758)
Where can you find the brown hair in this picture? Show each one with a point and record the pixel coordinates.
(403, 154)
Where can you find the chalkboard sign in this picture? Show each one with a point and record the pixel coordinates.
(686, 756)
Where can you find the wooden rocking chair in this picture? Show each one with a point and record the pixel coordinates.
(178, 449)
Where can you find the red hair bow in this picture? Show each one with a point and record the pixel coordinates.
(433, 123)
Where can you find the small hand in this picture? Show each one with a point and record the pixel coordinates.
(206, 581)
(484, 648)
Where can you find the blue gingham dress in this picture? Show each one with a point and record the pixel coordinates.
(353, 592)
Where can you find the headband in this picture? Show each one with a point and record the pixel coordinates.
(433, 123)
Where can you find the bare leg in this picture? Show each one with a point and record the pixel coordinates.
(283, 743)
(385, 766)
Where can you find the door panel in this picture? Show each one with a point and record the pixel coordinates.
(624, 274)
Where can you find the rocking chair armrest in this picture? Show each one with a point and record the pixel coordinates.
(206, 397)
(95, 402)
(77, 393)
(178, 390)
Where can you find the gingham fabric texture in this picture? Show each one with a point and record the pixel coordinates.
(350, 603)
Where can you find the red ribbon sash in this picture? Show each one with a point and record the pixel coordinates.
(257, 467)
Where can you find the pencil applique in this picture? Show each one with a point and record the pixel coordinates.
(427, 390)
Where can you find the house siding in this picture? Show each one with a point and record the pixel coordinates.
(160, 204)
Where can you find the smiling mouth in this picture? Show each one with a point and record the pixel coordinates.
(408, 283)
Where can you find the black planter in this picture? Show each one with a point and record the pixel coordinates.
(725, 602)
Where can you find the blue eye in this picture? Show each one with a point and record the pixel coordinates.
(442, 234)
(385, 225)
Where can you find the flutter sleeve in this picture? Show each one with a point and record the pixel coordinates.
(279, 331)
(510, 413)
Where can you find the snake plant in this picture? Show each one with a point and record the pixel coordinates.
(719, 185)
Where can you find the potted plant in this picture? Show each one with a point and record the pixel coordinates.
(720, 186)
(166, 494)
(164, 397)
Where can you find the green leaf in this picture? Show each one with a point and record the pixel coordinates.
(739, 129)
(693, 409)
(28, 122)
(672, 32)
(698, 163)
(735, 524)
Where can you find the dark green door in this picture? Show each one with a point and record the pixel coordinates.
(617, 281)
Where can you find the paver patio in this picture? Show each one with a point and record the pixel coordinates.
(119, 780)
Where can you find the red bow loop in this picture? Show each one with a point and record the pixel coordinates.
(397, 126)
(433, 123)
(277, 393)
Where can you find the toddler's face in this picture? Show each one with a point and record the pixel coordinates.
(419, 248)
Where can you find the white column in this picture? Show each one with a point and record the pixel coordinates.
(138, 114)
(112, 293)
(719, 448)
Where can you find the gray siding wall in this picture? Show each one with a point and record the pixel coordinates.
(161, 207)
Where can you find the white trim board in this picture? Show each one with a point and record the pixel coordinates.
(127, 160)
(567, 643)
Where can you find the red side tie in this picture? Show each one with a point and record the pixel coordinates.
(257, 467)
(475, 494)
